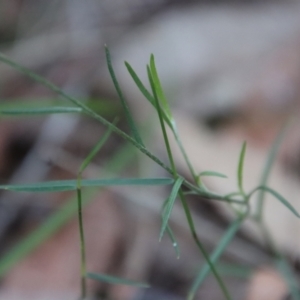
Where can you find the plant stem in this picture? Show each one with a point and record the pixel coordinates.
(186, 158)
(200, 246)
(82, 242)
(268, 166)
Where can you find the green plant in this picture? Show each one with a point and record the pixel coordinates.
(239, 200)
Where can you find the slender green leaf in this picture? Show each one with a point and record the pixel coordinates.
(171, 123)
(227, 237)
(95, 150)
(49, 186)
(129, 117)
(158, 88)
(268, 166)
(162, 124)
(40, 110)
(147, 94)
(116, 280)
(174, 241)
(169, 206)
(278, 197)
(127, 181)
(212, 173)
(170, 232)
(139, 84)
(241, 169)
(104, 106)
(71, 185)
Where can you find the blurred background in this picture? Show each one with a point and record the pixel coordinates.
(231, 71)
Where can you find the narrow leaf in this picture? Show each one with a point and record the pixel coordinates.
(116, 280)
(227, 237)
(146, 93)
(171, 123)
(174, 241)
(104, 106)
(212, 173)
(164, 109)
(170, 232)
(241, 169)
(158, 87)
(127, 181)
(162, 124)
(278, 197)
(71, 185)
(95, 150)
(169, 206)
(268, 166)
(139, 84)
(40, 110)
(129, 117)
(49, 186)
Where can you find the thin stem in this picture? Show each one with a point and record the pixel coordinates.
(268, 167)
(186, 158)
(223, 243)
(200, 246)
(82, 241)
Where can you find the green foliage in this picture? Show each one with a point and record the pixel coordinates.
(169, 206)
(212, 173)
(159, 102)
(71, 185)
(40, 111)
(159, 90)
(129, 117)
(241, 169)
(267, 169)
(279, 197)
